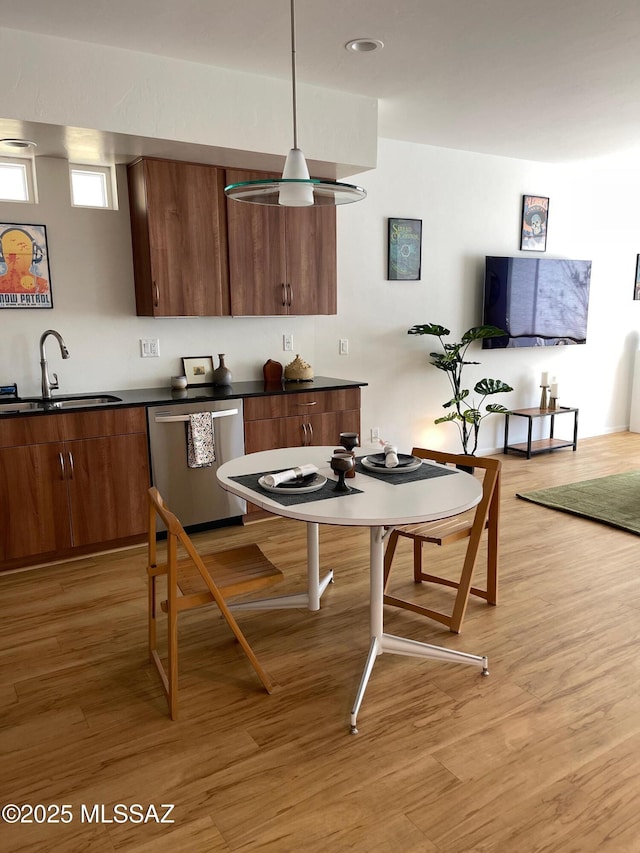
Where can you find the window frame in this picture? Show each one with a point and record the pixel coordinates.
(109, 184)
(27, 164)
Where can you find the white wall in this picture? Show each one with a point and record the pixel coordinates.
(470, 207)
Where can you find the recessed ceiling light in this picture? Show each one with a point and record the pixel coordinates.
(364, 45)
(18, 143)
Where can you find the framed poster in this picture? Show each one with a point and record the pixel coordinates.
(24, 267)
(198, 370)
(636, 289)
(404, 249)
(535, 214)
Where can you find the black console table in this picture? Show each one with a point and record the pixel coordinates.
(542, 445)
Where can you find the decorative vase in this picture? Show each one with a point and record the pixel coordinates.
(222, 374)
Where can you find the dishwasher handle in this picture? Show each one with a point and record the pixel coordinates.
(168, 418)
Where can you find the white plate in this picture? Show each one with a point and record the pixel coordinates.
(403, 469)
(289, 489)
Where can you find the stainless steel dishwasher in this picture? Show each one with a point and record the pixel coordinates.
(193, 494)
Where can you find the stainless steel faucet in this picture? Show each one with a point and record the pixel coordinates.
(47, 385)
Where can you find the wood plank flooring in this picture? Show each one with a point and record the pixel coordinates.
(544, 755)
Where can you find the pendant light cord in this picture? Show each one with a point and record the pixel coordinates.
(293, 75)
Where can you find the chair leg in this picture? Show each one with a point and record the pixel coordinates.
(464, 585)
(417, 560)
(172, 636)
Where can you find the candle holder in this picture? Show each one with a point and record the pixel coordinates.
(553, 404)
(544, 403)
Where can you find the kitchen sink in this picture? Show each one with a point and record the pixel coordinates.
(30, 405)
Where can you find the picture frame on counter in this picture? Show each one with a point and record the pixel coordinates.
(404, 258)
(198, 370)
(25, 280)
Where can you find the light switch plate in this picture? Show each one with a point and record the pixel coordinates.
(149, 348)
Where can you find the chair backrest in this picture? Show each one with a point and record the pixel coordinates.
(489, 506)
(176, 534)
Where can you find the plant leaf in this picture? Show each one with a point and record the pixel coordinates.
(429, 329)
(452, 416)
(477, 333)
(497, 408)
(492, 386)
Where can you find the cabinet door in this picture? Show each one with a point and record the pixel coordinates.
(325, 428)
(257, 254)
(178, 220)
(272, 433)
(33, 501)
(311, 260)
(108, 483)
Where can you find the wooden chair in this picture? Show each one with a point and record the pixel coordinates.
(194, 581)
(469, 525)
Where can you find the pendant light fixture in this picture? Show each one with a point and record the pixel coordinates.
(295, 188)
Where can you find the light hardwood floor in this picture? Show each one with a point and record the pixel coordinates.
(544, 755)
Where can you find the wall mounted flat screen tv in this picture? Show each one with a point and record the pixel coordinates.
(539, 302)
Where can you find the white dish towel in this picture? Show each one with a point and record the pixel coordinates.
(201, 448)
(292, 474)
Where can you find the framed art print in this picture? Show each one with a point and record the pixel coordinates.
(198, 370)
(404, 249)
(24, 267)
(535, 215)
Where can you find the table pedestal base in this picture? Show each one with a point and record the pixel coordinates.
(381, 642)
(315, 586)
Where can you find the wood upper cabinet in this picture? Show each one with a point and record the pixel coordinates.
(71, 480)
(281, 260)
(178, 226)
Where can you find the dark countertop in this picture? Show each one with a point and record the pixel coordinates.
(164, 396)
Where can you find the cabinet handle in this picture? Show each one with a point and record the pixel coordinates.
(70, 465)
(62, 472)
(314, 403)
(156, 297)
(284, 294)
(310, 434)
(290, 297)
(303, 427)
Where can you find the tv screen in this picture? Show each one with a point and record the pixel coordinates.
(538, 302)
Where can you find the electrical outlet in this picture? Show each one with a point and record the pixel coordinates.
(375, 433)
(344, 346)
(287, 343)
(149, 348)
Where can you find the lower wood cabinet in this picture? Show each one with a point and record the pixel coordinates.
(70, 482)
(299, 420)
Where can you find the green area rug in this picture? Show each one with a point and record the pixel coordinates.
(613, 500)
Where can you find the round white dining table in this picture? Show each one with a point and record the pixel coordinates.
(379, 505)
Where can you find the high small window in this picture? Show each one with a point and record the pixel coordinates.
(92, 186)
(16, 180)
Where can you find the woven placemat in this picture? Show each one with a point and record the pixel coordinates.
(327, 491)
(424, 472)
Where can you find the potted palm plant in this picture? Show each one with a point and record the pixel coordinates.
(466, 412)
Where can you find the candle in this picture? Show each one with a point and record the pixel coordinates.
(554, 390)
(545, 378)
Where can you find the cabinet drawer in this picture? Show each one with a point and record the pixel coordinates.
(305, 402)
(20, 431)
(104, 422)
(42, 429)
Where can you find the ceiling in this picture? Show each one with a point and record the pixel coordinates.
(552, 80)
